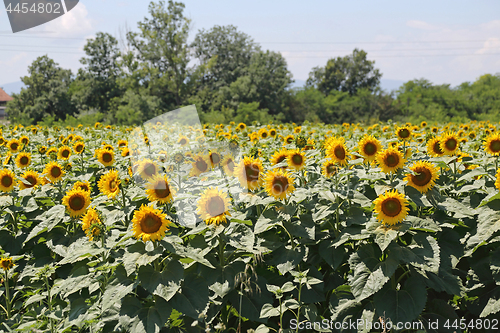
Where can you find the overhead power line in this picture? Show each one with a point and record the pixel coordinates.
(399, 42)
(410, 56)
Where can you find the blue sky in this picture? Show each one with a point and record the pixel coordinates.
(443, 41)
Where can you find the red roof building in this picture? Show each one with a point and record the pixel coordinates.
(4, 98)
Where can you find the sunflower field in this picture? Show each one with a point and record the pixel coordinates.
(250, 228)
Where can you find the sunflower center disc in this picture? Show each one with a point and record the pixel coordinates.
(437, 148)
(297, 159)
(31, 180)
(280, 184)
(106, 157)
(76, 203)
(201, 165)
(65, 153)
(151, 223)
(391, 207)
(370, 149)
(339, 152)
(182, 142)
(215, 158)
(495, 146)
(162, 191)
(331, 169)
(252, 173)
(215, 206)
(24, 160)
(230, 165)
(392, 160)
(6, 181)
(404, 133)
(112, 185)
(451, 144)
(55, 172)
(264, 135)
(422, 178)
(14, 146)
(149, 170)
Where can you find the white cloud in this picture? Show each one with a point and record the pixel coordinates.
(74, 23)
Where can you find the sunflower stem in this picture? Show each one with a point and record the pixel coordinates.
(496, 164)
(7, 294)
(221, 251)
(455, 173)
(124, 204)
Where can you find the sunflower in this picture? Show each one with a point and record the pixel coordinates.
(109, 184)
(497, 181)
(337, 150)
(425, 176)
(23, 160)
(122, 143)
(147, 168)
(249, 172)
(280, 156)
(492, 144)
(159, 189)
(369, 147)
(125, 152)
(183, 141)
(404, 133)
(7, 180)
(52, 153)
(105, 156)
(54, 171)
(434, 147)
(64, 153)
(32, 179)
(85, 186)
(8, 158)
(76, 201)
(213, 206)
(78, 147)
(329, 168)
(263, 133)
(149, 224)
(2, 140)
(42, 150)
(390, 160)
(14, 145)
(228, 164)
(24, 140)
(273, 132)
(200, 165)
(449, 143)
(391, 207)
(6, 263)
(215, 158)
(279, 184)
(92, 224)
(288, 139)
(296, 159)
(242, 126)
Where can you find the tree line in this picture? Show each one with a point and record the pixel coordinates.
(228, 76)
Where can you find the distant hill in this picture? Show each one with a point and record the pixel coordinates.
(13, 87)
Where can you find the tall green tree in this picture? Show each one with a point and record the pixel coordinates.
(96, 83)
(46, 94)
(224, 54)
(265, 81)
(346, 74)
(162, 50)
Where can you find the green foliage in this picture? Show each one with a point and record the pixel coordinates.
(46, 94)
(346, 74)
